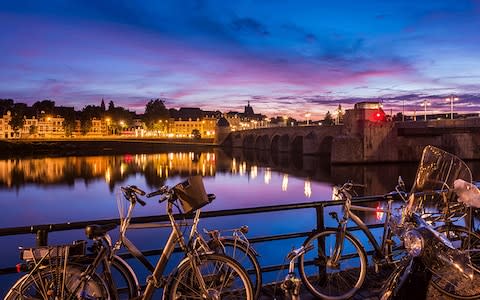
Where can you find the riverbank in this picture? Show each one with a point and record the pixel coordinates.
(98, 146)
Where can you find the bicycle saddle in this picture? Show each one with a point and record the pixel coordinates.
(94, 231)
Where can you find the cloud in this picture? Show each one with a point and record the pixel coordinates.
(249, 25)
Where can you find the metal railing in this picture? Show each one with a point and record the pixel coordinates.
(41, 231)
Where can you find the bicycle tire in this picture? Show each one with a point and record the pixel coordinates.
(466, 240)
(124, 279)
(43, 285)
(244, 254)
(224, 278)
(333, 285)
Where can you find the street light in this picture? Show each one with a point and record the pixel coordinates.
(308, 115)
(451, 99)
(425, 104)
(285, 119)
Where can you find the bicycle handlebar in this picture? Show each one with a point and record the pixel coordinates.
(161, 191)
(131, 194)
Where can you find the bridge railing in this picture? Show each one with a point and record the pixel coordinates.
(42, 231)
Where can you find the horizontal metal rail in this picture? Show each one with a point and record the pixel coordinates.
(163, 218)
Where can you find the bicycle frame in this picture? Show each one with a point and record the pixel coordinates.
(379, 249)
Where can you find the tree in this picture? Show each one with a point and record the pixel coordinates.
(88, 113)
(196, 134)
(328, 120)
(102, 105)
(18, 116)
(32, 129)
(68, 121)
(6, 105)
(44, 107)
(111, 106)
(155, 111)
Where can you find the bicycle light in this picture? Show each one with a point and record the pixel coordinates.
(413, 242)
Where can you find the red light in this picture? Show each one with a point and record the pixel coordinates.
(21, 268)
(378, 115)
(380, 212)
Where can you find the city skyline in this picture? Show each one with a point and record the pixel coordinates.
(285, 58)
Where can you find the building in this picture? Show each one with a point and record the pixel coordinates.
(6, 131)
(47, 127)
(246, 120)
(99, 127)
(185, 128)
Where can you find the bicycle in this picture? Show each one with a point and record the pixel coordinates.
(333, 262)
(236, 246)
(52, 275)
(198, 275)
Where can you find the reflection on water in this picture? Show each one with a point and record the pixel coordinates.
(19, 173)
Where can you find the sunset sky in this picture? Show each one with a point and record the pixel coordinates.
(285, 57)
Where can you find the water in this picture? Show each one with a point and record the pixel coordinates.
(67, 189)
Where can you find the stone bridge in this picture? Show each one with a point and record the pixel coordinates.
(361, 141)
(310, 140)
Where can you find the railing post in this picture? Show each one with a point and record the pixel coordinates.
(321, 241)
(320, 218)
(42, 237)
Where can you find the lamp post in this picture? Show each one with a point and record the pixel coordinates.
(451, 99)
(308, 115)
(425, 104)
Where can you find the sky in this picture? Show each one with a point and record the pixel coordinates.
(285, 57)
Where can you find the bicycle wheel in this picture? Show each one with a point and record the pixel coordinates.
(327, 280)
(224, 279)
(124, 279)
(244, 254)
(467, 241)
(51, 284)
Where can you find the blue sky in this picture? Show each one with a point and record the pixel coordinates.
(285, 57)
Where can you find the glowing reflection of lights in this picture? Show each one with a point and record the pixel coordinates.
(267, 176)
(108, 175)
(170, 156)
(203, 169)
(242, 168)
(253, 172)
(308, 188)
(234, 166)
(379, 213)
(122, 169)
(284, 182)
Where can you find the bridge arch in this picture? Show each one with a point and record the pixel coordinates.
(325, 147)
(262, 142)
(280, 143)
(275, 144)
(249, 141)
(296, 145)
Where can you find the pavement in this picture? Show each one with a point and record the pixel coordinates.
(370, 290)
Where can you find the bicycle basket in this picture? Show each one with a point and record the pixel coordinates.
(191, 194)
